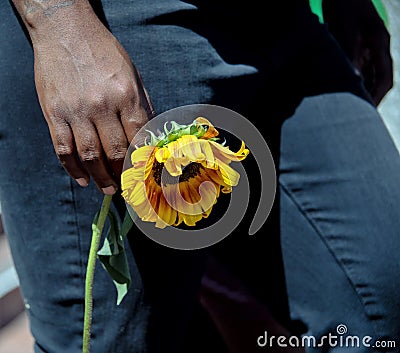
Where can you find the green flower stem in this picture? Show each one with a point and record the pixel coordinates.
(94, 246)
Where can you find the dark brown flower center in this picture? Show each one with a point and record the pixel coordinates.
(190, 171)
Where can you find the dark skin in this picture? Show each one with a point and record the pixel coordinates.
(361, 33)
(90, 92)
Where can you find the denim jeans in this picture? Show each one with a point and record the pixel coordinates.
(339, 220)
(48, 217)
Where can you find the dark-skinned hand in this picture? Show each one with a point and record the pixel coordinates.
(91, 94)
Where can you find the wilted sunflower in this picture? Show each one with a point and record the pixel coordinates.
(178, 176)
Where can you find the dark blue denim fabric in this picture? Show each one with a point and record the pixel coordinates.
(48, 217)
(339, 221)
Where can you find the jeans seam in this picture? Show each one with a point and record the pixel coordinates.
(314, 225)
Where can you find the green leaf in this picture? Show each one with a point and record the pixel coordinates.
(113, 257)
(126, 225)
(95, 228)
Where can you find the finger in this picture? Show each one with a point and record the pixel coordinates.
(64, 145)
(134, 116)
(92, 156)
(137, 110)
(114, 142)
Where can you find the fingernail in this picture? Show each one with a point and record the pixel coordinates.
(109, 190)
(82, 182)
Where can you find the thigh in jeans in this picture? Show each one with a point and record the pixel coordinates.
(340, 183)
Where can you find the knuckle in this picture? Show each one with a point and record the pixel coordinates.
(117, 149)
(125, 89)
(77, 107)
(57, 111)
(65, 110)
(138, 121)
(116, 154)
(64, 151)
(89, 156)
(96, 102)
(88, 153)
(62, 144)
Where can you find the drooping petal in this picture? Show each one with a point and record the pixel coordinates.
(191, 220)
(230, 176)
(209, 161)
(142, 154)
(191, 148)
(211, 130)
(154, 200)
(162, 154)
(191, 198)
(131, 174)
(171, 204)
(207, 213)
(173, 168)
(225, 154)
(127, 179)
(174, 150)
(215, 176)
(163, 214)
(137, 194)
(208, 195)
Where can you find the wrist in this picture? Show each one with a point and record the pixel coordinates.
(52, 19)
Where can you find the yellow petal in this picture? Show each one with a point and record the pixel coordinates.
(208, 195)
(137, 194)
(174, 149)
(190, 148)
(207, 213)
(132, 174)
(185, 188)
(191, 220)
(209, 161)
(127, 179)
(225, 154)
(243, 152)
(191, 199)
(171, 204)
(162, 154)
(154, 201)
(226, 189)
(142, 154)
(215, 176)
(163, 213)
(173, 168)
(229, 175)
